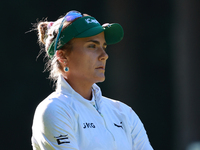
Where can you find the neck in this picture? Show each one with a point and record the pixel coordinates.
(84, 89)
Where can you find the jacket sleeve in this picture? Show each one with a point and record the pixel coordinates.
(53, 128)
(139, 136)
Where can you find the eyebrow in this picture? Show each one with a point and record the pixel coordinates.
(96, 42)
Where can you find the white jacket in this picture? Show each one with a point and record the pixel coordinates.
(65, 120)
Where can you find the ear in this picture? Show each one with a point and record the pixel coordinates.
(61, 56)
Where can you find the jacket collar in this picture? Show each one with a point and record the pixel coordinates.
(64, 88)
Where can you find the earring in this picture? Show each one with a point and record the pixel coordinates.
(66, 69)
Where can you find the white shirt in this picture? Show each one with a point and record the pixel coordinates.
(65, 120)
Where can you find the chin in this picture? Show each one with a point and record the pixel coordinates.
(100, 80)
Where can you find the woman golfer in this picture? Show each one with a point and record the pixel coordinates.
(76, 116)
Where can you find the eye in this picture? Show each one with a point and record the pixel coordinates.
(92, 46)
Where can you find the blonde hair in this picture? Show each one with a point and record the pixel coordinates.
(47, 32)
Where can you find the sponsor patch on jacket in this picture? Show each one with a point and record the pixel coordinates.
(88, 125)
(62, 139)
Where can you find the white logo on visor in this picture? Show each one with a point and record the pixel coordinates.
(91, 20)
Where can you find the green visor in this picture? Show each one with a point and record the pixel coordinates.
(86, 27)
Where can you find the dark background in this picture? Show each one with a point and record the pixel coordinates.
(154, 69)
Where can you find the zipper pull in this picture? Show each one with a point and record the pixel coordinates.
(98, 111)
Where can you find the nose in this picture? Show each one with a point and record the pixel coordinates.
(104, 55)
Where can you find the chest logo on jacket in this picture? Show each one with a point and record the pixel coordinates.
(119, 126)
(62, 139)
(88, 125)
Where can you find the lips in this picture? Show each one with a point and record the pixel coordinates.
(101, 67)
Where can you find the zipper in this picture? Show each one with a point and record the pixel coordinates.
(106, 126)
(97, 108)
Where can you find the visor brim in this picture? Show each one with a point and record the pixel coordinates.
(113, 33)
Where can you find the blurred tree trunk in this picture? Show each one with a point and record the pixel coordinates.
(187, 73)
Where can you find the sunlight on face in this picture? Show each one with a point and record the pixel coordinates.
(88, 59)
